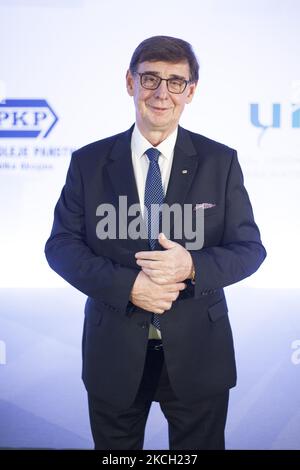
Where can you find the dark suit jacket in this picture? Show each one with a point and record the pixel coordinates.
(196, 333)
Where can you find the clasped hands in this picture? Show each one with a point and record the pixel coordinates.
(161, 278)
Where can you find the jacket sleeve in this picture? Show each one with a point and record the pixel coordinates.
(69, 255)
(240, 252)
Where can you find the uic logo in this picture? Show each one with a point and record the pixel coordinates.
(23, 118)
(276, 117)
(295, 357)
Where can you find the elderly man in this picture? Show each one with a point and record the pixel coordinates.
(156, 323)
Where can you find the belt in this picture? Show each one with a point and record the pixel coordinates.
(155, 344)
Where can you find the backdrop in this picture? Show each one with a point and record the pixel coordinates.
(62, 85)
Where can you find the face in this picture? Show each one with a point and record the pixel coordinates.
(159, 110)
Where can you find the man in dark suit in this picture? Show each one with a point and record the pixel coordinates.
(156, 324)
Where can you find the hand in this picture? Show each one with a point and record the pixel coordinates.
(172, 265)
(150, 296)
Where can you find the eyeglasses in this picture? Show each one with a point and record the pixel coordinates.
(152, 82)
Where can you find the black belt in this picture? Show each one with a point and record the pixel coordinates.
(155, 344)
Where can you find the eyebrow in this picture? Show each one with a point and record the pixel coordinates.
(152, 72)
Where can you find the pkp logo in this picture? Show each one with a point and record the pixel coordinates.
(22, 118)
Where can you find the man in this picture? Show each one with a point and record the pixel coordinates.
(156, 324)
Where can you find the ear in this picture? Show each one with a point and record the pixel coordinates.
(129, 83)
(191, 92)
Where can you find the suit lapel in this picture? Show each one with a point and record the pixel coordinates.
(184, 168)
(120, 169)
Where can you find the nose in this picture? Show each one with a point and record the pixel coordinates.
(162, 91)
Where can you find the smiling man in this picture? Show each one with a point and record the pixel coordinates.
(160, 90)
(156, 320)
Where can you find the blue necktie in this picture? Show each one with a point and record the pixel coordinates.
(154, 197)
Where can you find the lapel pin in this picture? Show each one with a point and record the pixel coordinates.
(184, 172)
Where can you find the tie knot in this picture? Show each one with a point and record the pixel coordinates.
(153, 154)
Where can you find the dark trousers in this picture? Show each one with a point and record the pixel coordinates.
(191, 426)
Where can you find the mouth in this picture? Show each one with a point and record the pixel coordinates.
(159, 109)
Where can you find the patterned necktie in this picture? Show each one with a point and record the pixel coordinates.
(154, 197)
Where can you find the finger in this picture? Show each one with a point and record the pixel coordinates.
(154, 255)
(150, 264)
(176, 287)
(152, 273)
(182, 285)
(165, 243)
(162, 305)
(149, 272)
(166, 305)
(159, 281)
(158, 310)
(171, 296)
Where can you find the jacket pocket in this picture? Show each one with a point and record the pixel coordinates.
(218, 310)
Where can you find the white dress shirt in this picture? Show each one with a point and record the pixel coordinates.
(140, 162)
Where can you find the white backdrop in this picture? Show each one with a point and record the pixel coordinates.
(73, 54)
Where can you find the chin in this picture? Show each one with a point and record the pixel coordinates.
(160, 122)
(160, 127)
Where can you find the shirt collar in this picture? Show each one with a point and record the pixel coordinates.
(139, 144)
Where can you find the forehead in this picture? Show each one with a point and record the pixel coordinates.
(165, 69)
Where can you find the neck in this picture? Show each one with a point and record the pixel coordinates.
(156, 137)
